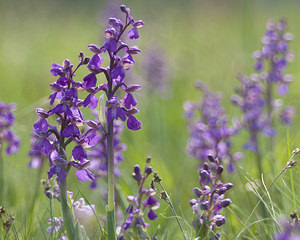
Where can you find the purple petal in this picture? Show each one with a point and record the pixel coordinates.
(111, 44)
(95, 62)
(79, 153)
(85, 175)
(90, 80)
(152, 215)
(133, 123)
(129, 101)
(133, 33)
(71, 131)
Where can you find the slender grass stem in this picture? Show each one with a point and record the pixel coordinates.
(68, 216)
(291, 172)
(289, 164)
(36, 193)
(110, 216)
(168, 200)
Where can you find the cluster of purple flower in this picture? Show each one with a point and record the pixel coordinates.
(210, 200)
(210, 134)
(115, 73)
(52, 141)
(255, 96)
(7, 120)
(138, 205)
(98, 153)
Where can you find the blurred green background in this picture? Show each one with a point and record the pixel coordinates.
(201, 39)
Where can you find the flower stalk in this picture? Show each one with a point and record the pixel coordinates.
(111, 224)
(68, 216)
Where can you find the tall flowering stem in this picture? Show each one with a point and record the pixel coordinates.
(8, 137)
(114, 74)
(53, 142)
(256, 98)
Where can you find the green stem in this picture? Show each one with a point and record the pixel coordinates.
(1, 176)
(173, 210)
(258, 159)
(36, 192)
(68, 216)
(291, 172)
(110, 217)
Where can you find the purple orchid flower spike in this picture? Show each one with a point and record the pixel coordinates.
(139, 205)
(256, 95)
(210, 200)
(210, 133)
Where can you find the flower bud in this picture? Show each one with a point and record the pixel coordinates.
(42, 113)
(86, 61)
(148, 170)
(219, 170)
(219, 220)
(94, 48)
(197, 192)
(225, 202)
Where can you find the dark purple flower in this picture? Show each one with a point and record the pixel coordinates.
(210, 199)
(133, 123)
(138, 207)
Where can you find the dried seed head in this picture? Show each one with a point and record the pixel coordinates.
(156, 177)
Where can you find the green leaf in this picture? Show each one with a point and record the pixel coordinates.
(101, 112)
(78, 235)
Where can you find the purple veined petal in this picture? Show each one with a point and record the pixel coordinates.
(111, 44)
(62, 81)
(95, 62)
(92, 138)
(133, 33)
(152, 215)
(151, 201)
(71, 93)
(115, 113)
(56, 69)
(118, 73)
(90, 80)
(52, 98)
(41, 125)
(129, 101)
(121, 114)
(62, 108)
(79, 153)
(51, 172)
(71, 131)
(85, 175)
(91, 100)
(133, 123)
(43, 145)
